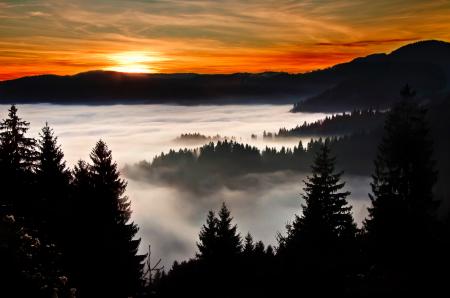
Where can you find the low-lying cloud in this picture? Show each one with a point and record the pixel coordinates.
(170, 216)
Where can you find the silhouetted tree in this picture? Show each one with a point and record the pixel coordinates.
(208, 238)
(53, 186)
(399, 227)
(249, 246)
(104, 255)
(83, 230)
(219, 239)
(228, 239)
(120, 265)
(30, 266)
(260, 249)
(320, 241)
(17, 158)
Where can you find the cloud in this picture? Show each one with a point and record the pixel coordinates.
(39, 14)
(365, 43)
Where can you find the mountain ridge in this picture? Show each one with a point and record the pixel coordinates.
(370, 81)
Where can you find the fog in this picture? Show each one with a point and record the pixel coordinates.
(170, 217)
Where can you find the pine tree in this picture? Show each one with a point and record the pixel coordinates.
(260, 249)
(320, 243)
(121, 267)
(399, 227)
(17, 158)
(53, 180)
(219, 239)
(249, 246)
(326, 214)
(228, 239)
(82, 182)
(269, 251)
(83, 230)
(208, 237)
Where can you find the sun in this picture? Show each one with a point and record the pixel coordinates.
(134, 62)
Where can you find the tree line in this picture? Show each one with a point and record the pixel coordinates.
(222, 162)
(357, 121)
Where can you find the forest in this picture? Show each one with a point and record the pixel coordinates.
(339, 124)
(352, 137)
(195, 138)
(66, 232)
(225, 162)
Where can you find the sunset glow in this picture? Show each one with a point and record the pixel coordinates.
(134, 62)
(67, 37)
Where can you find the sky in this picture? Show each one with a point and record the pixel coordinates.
(67, 37)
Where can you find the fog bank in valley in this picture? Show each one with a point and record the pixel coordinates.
(170, 216)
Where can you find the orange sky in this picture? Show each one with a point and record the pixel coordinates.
(67, 37)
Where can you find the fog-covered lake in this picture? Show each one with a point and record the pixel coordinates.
(170, 217)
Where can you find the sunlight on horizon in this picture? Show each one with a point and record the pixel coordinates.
(134, 62)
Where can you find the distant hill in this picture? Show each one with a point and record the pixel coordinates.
(372, 81)
(375, 80)
(115, 87)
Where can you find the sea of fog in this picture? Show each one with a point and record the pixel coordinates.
(170, 217)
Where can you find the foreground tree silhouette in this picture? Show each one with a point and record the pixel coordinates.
(53, 186)
(321, 241)
(219, 239)
(17, 157)
(29, 266)
(217, 265)
(399, 227)
(120, 262)
(249, 245)
(228, 239)
(116, 269)
(83, 230)
(208, 238)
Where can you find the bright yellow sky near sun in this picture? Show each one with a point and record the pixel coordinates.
(67, 37)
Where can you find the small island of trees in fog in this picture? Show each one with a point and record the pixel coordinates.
(195, 138)
(67, 232)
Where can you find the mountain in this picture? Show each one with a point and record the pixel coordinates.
(375, 80)
(372, 81)
(112, 87)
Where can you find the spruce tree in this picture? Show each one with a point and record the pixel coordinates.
(53, 180)
(326, 214)
(120, 266)
(399, 226)
(208, 237)
(84, 231)
(260, 249)
(82, 182)
(228, 239)
(249, 245)
(219, 239)
(17, 159)
(321, 241)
